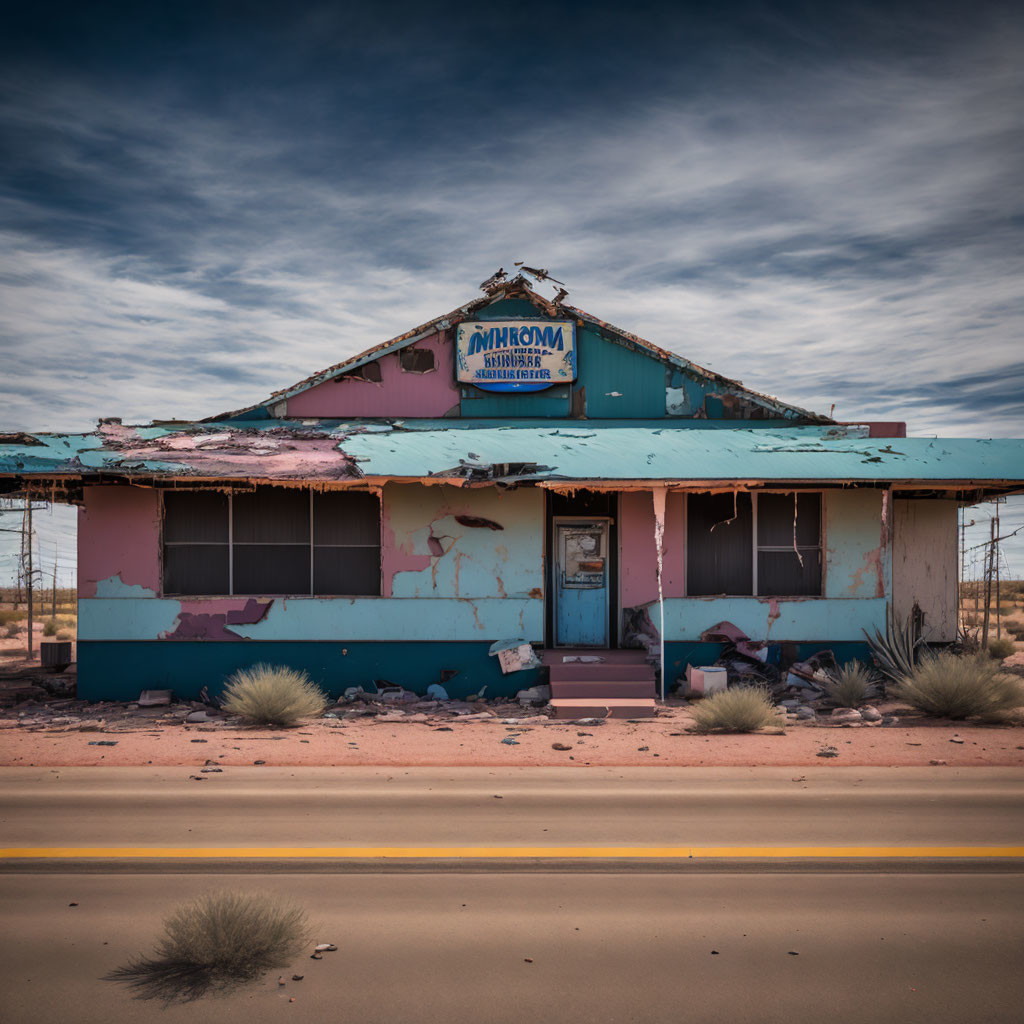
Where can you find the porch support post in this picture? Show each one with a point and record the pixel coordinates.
(659, 494)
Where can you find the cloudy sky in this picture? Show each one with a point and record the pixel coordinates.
(202, 203)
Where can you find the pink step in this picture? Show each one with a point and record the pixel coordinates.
(596, 671)
(610, 707)
(598, 689)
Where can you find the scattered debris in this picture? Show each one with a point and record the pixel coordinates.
(326, 947)
(102, 743)
(827, 751)
(561, 746)
(155, 698)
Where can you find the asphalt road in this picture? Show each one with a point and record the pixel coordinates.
(610, 939)
(272, 808)
(453, 949)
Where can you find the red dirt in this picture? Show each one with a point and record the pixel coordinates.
(615, 743)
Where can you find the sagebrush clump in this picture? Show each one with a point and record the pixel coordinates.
(273, 695)
(50, 627)
(950, 686)
(851, 686)
(215, 943)
(738, 709)
(1001, 647)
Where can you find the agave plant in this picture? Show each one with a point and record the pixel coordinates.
(897, 651)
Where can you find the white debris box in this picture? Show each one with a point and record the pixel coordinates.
(708, 680)
(514, 655)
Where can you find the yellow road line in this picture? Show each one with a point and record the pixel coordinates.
(505, 852)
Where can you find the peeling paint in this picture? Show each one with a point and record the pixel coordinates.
(114, 586)
(198, 621)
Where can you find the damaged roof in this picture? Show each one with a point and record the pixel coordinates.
(497, 290)
(469, 452)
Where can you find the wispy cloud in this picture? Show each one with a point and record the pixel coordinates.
(830, 212)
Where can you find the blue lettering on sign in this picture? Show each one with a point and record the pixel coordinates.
(510, 337)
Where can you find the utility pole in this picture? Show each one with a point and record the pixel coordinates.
(988, 580)
(995, 555)
(28, 575)
(53, 606)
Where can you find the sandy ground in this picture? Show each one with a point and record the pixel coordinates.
(614, 743)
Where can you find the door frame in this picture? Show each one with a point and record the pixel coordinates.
(611, 555)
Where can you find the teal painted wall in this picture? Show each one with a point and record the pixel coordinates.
(320, 618)
(620, 382)
(780, 619)
(119, 671)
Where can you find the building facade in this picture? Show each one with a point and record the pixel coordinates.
(516, 470)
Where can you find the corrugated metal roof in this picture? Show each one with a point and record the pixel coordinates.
(540, 451)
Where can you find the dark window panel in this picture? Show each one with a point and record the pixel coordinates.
(272, 515)
(775, 519)
(779, 573)
(719, 561)
(346, 517)
(193, 516)
(416, 360)
(346, 571)
(196, 570)
(271, 568)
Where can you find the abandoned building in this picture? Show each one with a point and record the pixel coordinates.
(515, 471)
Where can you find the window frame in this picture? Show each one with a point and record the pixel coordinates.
(756, 547)
(164, 544)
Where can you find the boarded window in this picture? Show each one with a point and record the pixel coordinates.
(723, 532)
(719, 544)
(196, 543)
(416, 360)
(271, 541)
(789, 544)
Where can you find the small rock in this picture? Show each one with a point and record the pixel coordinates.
(527, 960)
(317, 956)
(199, 741)
(792, 952)
(806, 712)
(211, 769)
(936, 761)
(259, 762)
(870, 714)
(561, 746)
(843, 715)
(198, 778)
(297, 977)
(714, 952)
(202, 716)
(102, 743)
(511, 742)
(955, 739)
(326, 947)
(280, 981)
(827, 752)
(72, 904)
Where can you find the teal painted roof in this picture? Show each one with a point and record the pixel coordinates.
(542, 450)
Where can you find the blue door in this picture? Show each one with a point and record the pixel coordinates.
(581, 582)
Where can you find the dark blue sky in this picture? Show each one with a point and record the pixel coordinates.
(205, 202)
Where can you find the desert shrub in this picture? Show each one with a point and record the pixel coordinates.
(949, 686)
(50, 627)
(65, 634)
(13, 630)
(273, 695)
(739, 709)
(9, 615)
(1001, 647)
(898, 650)
(971, 619)
(850, 686)
(215, 943)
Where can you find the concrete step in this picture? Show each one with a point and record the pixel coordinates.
(597, 670)
(611, 707)
(598, 689)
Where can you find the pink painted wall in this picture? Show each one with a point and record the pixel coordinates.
(399, 393)
(638, 557)
(118, 535)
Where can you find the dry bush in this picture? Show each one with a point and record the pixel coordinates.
(9, 615)
(739, 709)
(948, 686)
(50, 627)
(273, 695)
(851, 686)
(65, 634)
(1001, 647)
(13, 630)
(214, 944)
